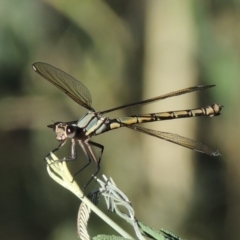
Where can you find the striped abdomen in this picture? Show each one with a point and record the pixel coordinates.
(210, 111)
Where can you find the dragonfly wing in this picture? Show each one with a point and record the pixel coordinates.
(69, 85)
(177, 139)
(168, 95)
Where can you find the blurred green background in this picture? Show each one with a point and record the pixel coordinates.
(123, 51)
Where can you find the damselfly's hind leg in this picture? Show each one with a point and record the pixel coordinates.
(86, 147)
(97, 161)
(101, 148)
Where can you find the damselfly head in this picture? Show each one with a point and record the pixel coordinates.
(60, 129)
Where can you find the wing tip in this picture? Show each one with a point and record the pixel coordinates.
(34, 67)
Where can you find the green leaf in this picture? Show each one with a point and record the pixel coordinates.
(156, 234)
(169, 236)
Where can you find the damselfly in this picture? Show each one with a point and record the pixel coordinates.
(94, 123)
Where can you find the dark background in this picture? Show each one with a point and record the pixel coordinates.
(123, 51)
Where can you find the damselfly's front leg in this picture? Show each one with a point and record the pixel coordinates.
(73, 152)
(56, 149)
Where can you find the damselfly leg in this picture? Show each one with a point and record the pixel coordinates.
(87, 149)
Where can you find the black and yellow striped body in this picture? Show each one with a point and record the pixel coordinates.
(94, 123)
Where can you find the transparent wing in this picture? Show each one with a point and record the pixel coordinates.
(151, 100)
(69, 85)
(177, 139)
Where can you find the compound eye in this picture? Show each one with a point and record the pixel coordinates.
(71, 131)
